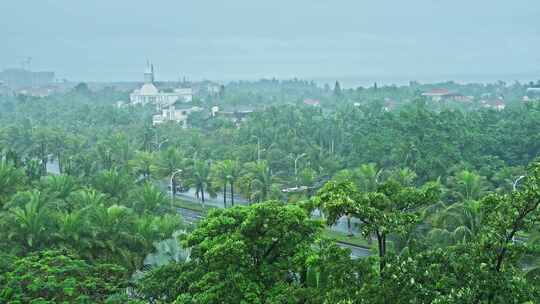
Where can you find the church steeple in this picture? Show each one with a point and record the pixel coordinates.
(149, 73)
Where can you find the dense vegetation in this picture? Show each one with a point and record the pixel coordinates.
(445, 195)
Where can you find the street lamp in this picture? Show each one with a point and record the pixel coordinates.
(161, 143)
(514, 185)
(296, 166)
(173, 191)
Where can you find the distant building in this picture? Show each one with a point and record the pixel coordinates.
(171, 114)
(532, 94)
(207, 87)
(389, 105)
(312, 102)
(21, 78)
(43, 91)
(436, 94)
(236, 115)
(5, 90)
(149, 93)
(494, 103)
(446, 95)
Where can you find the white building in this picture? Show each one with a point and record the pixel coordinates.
(175, 115)
(149, 93)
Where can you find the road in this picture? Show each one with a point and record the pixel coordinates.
(192, 217)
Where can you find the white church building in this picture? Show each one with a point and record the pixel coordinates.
(149, 93)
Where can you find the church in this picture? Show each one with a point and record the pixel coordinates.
(149, 93)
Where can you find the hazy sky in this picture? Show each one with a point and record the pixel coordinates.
(247, 39)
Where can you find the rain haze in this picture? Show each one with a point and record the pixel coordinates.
(278, 151)
(225, 40)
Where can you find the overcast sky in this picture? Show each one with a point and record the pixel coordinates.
(108, 40)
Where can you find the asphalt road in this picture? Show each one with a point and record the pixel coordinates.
(192, 217)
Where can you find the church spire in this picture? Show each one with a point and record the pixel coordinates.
(149, 73)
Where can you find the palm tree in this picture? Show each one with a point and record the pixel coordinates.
(225, 173)
(366, 177)
(169, 161)
(11, 180)
(148, 199)
(87, 198)
(73, 230)
(219, 176)
(143, 164)
(30, 222)
(200, 178)
(60, 187)
(113, 183)
(263, 182)
(457, 224)
(404, 176)
(114, 239)
(468, 185)
(234, 171)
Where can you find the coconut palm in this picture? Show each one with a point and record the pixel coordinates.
(235, 170)
(113, 238)
(11, 179)
(73, 230)
(143, 165)
(113, 183)
(30, 220)
(226, 173)
(458, 223)
(263, 183)
(148, 199)
(219, 176)
(59, 188)
(366, 177)
(86, 198)
(200, 179)
(468, 185)
(404, 176)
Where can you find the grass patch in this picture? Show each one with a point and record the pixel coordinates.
(192, 206)
(356, 240)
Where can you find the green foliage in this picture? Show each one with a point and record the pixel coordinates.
(246, 254)
(60, 277)
(432, 183)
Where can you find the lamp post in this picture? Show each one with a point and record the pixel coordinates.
(296, 167)
(514, 185)
(161, 143)
(173, 190)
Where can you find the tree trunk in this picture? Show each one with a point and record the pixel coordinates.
(349, 225)
(173, 190)
(60, 163)
(225, 195)
(43, 160)
(202, 195)
(232, 194)
(381, 239)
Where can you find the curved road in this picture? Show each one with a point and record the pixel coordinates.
(193, 216)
